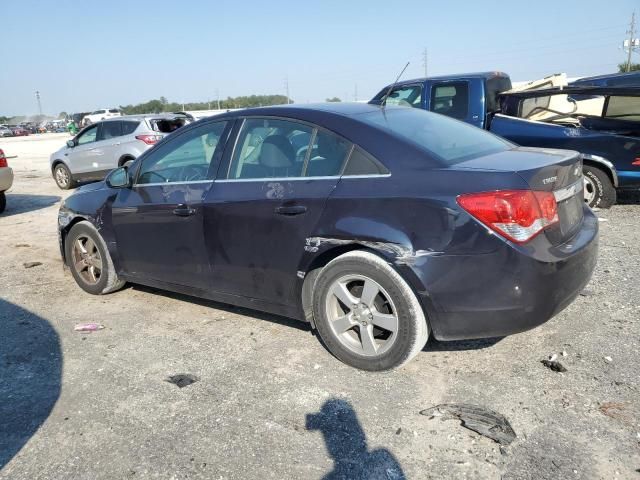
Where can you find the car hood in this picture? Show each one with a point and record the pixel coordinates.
(91, 187)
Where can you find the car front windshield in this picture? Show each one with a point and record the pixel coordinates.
(449, 140)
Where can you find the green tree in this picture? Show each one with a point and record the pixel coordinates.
(333, 99)
(63, 115)
(623, 67)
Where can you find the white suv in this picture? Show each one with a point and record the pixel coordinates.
(101, 114)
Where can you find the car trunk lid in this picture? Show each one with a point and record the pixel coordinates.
(548, 170)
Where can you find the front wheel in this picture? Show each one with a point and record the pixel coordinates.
(366, 314)
(89, 260)
(598, 189)
(62, 176)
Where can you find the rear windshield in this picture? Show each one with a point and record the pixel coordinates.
(167, 125)
(449, 140)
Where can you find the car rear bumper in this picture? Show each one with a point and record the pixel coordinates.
(6, 178)
(506, 291)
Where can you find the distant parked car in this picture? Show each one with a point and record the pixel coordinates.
(6, 180)
(101, 114)
(105, 145)
(382, 228)
(19, 131)
(6, 132)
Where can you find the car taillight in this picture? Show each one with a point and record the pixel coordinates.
(149, 139)
(3, 160)
(518, 215)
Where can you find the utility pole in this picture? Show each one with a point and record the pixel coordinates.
(218, 95)
(355, 93)
(39, 104)
(631, 32)
(425, 59)
(286, 88)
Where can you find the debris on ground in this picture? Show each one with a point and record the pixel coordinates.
(608, 359)
(31, 264)
(617, 410)
(554, 365)
(182, 380)
(587, 293)
(479, 419)
(21, 245)
(88, 327)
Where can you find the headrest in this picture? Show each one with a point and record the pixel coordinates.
(276, 152)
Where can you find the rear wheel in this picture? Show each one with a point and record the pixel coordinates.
(62, 176)
(3, 202)
(89, 260)
(366, 314)
(598, 189)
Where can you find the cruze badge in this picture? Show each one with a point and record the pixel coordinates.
(549, 180)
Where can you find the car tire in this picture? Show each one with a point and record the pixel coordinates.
(3, 202)
(385, 325)
(599, 191)
(63, 177)
(88, 259)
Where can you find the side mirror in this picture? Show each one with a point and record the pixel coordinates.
(71, 143)
(118, 178)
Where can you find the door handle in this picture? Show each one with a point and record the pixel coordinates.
(291, 210)
(183, 210)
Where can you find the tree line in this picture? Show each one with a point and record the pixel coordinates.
(163, 105)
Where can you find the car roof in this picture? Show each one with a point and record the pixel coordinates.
(458, 76)
(146, 116)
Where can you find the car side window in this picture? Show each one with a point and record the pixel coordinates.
(328, 153)
(270, 148)
(450, 99)
(129, 127)
(185, 158)
(88, 136)
(109, 130)
(406, 96)
(361, 163)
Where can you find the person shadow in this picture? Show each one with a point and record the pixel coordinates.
(346, 442)
(30, 376)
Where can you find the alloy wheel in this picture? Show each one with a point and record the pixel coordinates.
(589, 189)
(87, 261)
(62, 177)
(362, 315)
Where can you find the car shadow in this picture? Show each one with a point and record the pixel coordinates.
(30, 376)
(346, 443)
(18, 203)
(628, 198)
(434, 345)
(287, 322)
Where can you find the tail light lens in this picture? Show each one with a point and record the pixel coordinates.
(149, 139)
(3, 160)
(517, 215)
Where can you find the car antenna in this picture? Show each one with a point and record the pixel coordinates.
(384, 98)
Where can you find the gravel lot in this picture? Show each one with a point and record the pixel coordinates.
(270, 401)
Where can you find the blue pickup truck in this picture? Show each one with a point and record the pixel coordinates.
(601, 122)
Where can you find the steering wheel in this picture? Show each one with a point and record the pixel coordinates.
(193, 173)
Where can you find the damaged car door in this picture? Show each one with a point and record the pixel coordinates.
(268, 197)
(158, 221)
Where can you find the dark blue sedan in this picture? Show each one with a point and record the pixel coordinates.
(381, 227)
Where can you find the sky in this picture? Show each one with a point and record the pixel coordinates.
(82, 56)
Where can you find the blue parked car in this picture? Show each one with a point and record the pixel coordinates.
(607, 134)
(378, 226)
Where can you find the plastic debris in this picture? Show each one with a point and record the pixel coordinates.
(31, 264)
(608, 359)
(479, 419)
(554, 365)
(88, 327)
(182, 380)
